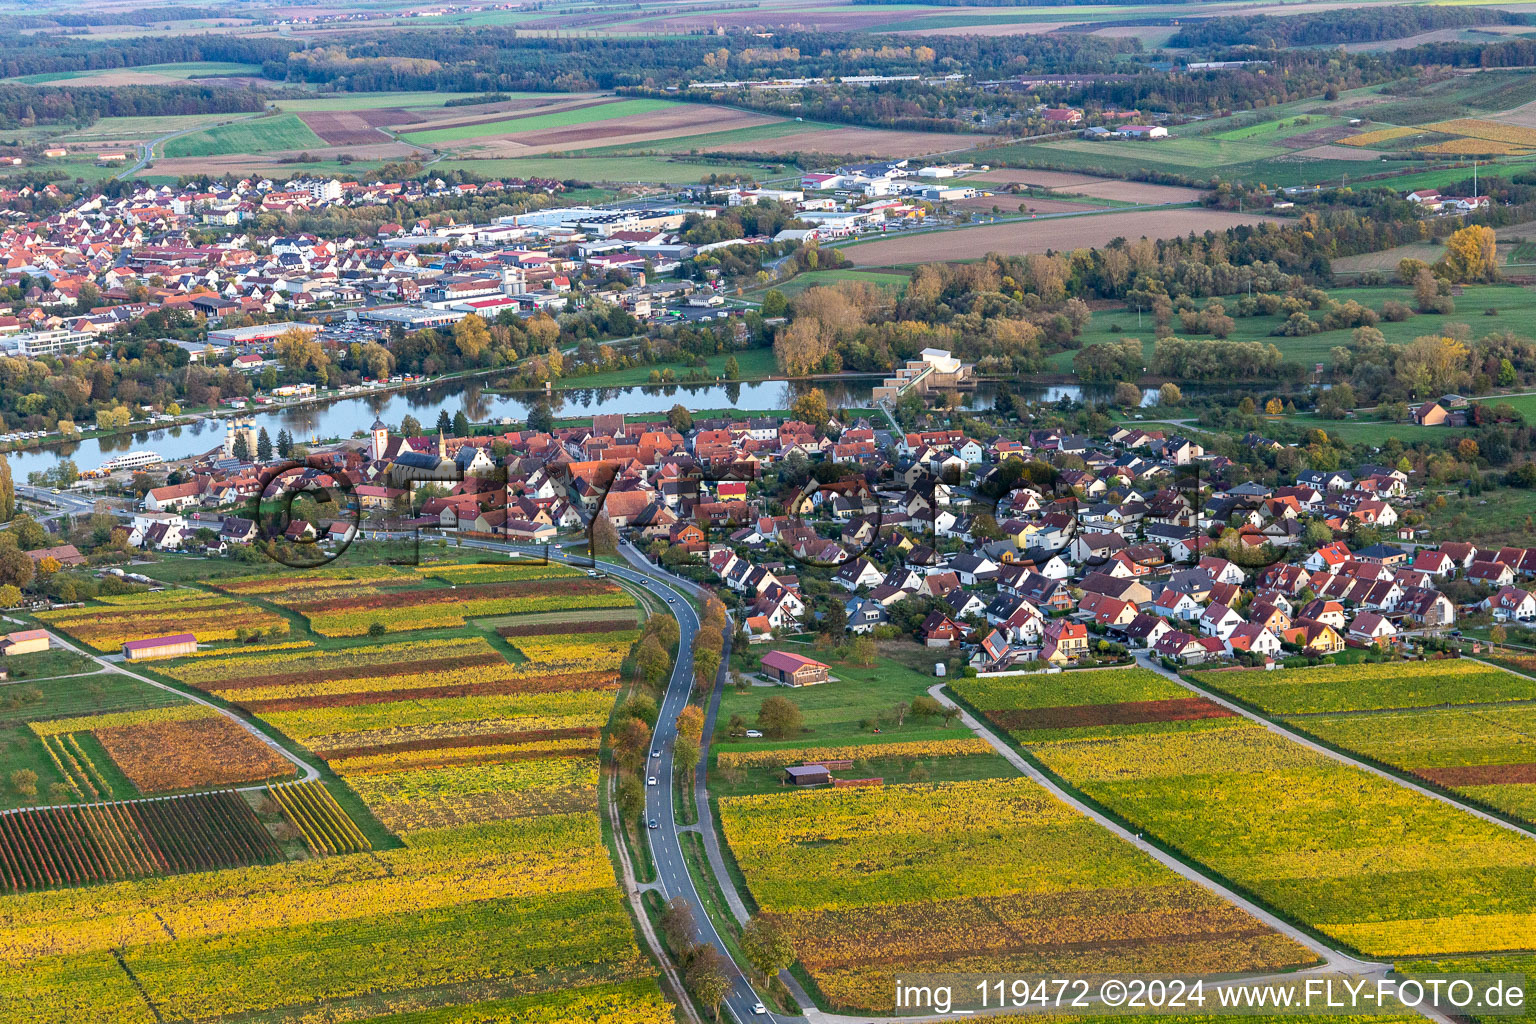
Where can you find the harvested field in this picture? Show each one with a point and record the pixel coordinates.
(871, 142)
(661, 124)
(998, 28)
(1039, 179)
(1010, 204)
(1316, 137)
(1523, 115)
(1133, 191)
(244, 163)
(1386, 261)
(343, 127)
(1331, 152)
(1063, 233)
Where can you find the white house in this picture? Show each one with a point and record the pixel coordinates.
(860, 572)
(1370, 628)
(1510, 603)
(1255, 639)
(1219, 621)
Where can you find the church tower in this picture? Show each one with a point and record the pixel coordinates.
(380, 439)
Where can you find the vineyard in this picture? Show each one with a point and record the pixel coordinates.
(1404, 684)
(347, 602)
(207, 616)
(1482, 747)
(1325, 843)
(981, 876)
(1075, 705)
(319, 818)
(114, 841)
(159, 750)
(495, 891)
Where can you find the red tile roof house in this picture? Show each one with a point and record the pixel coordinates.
(173, 646)
(793, 669)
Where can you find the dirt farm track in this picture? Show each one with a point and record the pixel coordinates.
(1063, 233)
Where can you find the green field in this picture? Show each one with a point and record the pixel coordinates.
(815, 278)
(714, 140)
(144, 127)
(753, 363)
(855, 709)
(194, 69)
(1514, 308)
(263, 135)
(84, 167)
(1280, 128)
(538, 122)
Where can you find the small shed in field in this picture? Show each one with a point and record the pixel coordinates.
(173, 646)
(808, 775)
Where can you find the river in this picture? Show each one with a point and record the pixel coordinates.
(347, 416)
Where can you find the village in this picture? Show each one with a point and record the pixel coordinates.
(929, 536)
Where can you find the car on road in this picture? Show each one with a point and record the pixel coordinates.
(653, 823)
(754, 734)
(655, 751)
(759, 1008)
(651, 781)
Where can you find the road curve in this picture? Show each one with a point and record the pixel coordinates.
(672, 876)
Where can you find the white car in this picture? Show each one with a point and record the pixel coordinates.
(651, 781)
(656, 752)
(759, 1008)
(754, 734)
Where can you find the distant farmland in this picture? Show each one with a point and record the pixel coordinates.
(262, 135)
(1026, 236)
(582, 115)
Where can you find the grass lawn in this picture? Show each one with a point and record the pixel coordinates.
(538, 122)
(21, 750)
(1495, 517)
(795, 285)
(73, 166)
(1279, 128)
(856, 708)
(47, 664)
(838, 712)
(263, 135)
(754, 364)
(35, 700)
(1374, 432)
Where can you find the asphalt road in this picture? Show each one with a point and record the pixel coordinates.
(672, 877)
(65, 502)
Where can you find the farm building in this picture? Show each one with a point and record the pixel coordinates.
(26, 641)
(173, 646)
(793, 669)
(808, 775)
(64, 554)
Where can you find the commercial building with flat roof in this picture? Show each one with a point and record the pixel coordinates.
(412, 318)
(257, 333)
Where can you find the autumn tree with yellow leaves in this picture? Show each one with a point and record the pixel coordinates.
(1471, 254)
